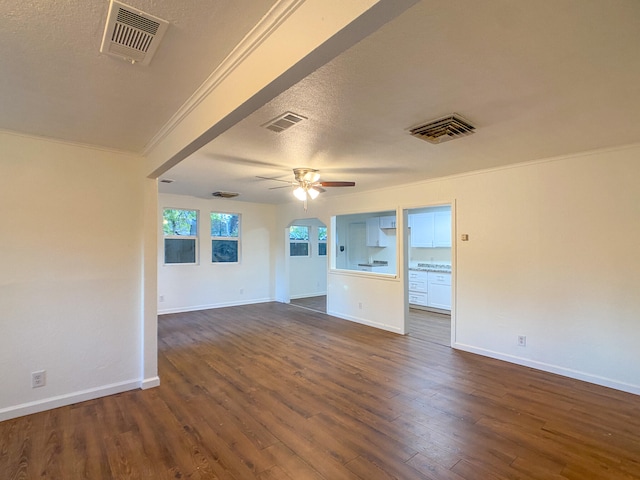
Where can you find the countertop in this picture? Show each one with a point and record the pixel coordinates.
(432, 267)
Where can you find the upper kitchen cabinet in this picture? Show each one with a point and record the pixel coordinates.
(388, 221)
(431, 228)
(442, 229)
(421, 229)
(375, 236)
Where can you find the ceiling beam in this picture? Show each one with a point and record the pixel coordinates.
(293, 40)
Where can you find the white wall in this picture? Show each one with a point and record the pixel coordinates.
(211, 285)
(71, 282)
(552, 254)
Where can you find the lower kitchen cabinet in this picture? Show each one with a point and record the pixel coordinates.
(418, 284)
(430, 289)
(439, 288)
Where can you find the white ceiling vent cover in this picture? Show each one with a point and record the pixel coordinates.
(131, 34)
(443, 129)
(283, 122)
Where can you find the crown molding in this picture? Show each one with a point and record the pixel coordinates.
(256, 36)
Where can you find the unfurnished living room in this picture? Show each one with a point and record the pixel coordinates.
(308, 239)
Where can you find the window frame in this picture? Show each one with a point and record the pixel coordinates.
(323, 242)
(298, 241)
(189, 237)
(226, 238)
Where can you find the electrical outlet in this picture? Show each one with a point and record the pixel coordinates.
(241, 291)
(162, 298)
(38, 379)
(522, 341)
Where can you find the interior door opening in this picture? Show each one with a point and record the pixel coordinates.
(307, 251)
(429, 296)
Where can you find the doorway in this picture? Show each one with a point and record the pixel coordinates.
(429, 295)
(307, 259)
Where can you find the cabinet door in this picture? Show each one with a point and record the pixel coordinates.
(375, 236)
(418, 298)
(422, 229)
(442, 229)
(388, 221)
(440, 296)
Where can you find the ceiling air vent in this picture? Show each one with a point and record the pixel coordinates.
(131, 34)
(443, 129)
(283, 122)
(225, 194)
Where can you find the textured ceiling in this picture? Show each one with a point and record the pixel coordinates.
(538, 79)
(56, 83)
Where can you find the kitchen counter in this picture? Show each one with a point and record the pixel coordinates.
(432, 267)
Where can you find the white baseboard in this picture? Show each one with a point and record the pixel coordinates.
(150, 383)
(546, 367)
(307, 295)
(195, 308)
(67, 399)
(369, 323)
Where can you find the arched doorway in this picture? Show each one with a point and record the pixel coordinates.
(307, 252)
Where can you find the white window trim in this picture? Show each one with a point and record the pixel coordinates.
(236, 239)
(308, 242)
(326, 241)
(181, 237)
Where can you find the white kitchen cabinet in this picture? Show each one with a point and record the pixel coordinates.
(442, 229)
(422, 229)
(430, 229)
(439, 288)
(416, 298)
(388, 221)
(375, 236)
(418, 285)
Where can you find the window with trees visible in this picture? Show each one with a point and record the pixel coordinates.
(322, 241)
(298, 241)
(225, 237)
(180, 228)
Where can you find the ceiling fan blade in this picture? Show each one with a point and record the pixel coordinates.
(337, 184)
(319, 188)
(276, 179)
(281, 186)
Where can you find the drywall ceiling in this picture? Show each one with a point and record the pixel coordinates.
(537, 79)
(56, 83)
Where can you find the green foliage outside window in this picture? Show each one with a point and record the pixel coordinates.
(225, 225)
(297, 232)
(179, 222)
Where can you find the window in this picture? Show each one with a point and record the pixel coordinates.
(322, 241)
(180, 228)
(298, 241)
(365, 242)
(225, 233)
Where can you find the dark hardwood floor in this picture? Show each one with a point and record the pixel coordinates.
(273, 391)
(317, 303)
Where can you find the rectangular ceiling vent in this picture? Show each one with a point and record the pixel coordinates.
(443, 129)
(225, 194)
(283, 122)
(131, 34)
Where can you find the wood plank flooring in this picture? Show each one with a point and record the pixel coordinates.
(273, 391)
